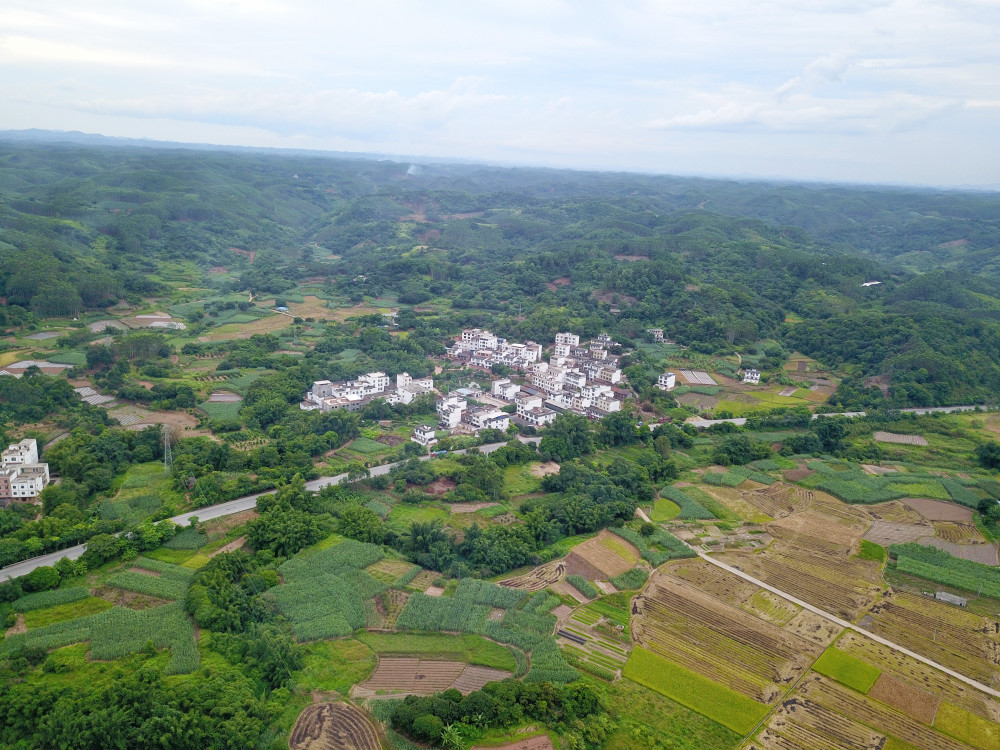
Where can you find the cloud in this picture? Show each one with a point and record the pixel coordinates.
(829, 69)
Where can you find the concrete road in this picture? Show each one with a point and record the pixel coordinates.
(740, 421)
(209, 512)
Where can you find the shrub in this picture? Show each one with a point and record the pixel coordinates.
(631, 579)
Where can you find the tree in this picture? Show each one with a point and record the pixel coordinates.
(356, 471)
(568, 437)
(831, 433)
(361, 523)
(989, 454)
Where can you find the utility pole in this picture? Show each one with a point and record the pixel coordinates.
(168, 459)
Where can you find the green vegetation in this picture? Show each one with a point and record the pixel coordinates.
(43, 599)
(689, 509)
(847, 669)
(872, 551)
(717, 702)
(469, 648)
(664, 510)
(656, 548)
(631, 579)
(39, 618)
(967, 727)
(937, 565)
(584, 586)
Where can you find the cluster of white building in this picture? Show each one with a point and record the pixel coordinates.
(354, 395)
(22, 477)
(483, 349)
(457, 411)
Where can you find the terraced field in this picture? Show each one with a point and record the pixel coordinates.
(333, 726)
(961, 640)
(412, 676)
(715, 639)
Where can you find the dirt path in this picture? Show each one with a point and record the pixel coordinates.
(231, 547)
(642, 514)
(18, 627)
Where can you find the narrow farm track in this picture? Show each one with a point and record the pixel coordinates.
(850, 626)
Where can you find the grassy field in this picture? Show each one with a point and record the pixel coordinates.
(518, 480)
(221, 410)
(847, 670)
(402, 515)
(467, 648)
(39, 618)
(967, 727)
(664, 510)
(717, 702)
(334, 665)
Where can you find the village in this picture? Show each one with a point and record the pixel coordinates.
(584, 379)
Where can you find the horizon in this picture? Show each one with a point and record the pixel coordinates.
(874, 92)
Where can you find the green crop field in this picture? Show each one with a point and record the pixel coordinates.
(847, 669)
(469, 648)
(39, 618)
(717, 702)
(664, 510)
(967, 727)
(44, 599)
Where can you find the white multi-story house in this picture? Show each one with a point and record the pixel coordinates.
(656, 333)
(505, 389)
(666, 381)
(526, 402)
(751, 376)
(532, 351)
(22, 477)
(575, 379)
(450, 408)
(562, 350)
(539, 416)
(568, 338)
(487, 417)
(475, 338)
(424, 435)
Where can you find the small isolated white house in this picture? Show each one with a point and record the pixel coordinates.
(751, 376)
(666, 381)
(424, 435)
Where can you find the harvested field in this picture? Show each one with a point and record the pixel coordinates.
(217, 527)
(231, 547)
(824, 575)
(224, 397)
(913, 672)
(434, 591)
(813, 526)
(800, 725)
(562, 611)
(892, 437)
(712, 580)
(876, 470)
(412, 676)
(423, 580)
(604, 556)
(333, 726)
(389, 604)
(719, 641)
(540, 742)
(895, 512)
(814, 628)
(541, 577)
(746, 505)
(936, 510)
(389, 570)
(961, 640)
(474, 678)
(770, 607)
(958, 533)
(889, 532)
(565, 587)
(915, 703)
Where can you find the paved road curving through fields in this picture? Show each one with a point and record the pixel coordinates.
(209, 512)
(849, 626)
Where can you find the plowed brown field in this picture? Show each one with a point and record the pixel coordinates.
(333, 726)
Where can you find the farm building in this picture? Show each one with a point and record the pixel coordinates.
(751, 376)
(944, 596)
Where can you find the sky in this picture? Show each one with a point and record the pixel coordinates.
(871, 91)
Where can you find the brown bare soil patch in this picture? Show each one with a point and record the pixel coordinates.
(607, 554)
(459, 508)
(434, 591)
(251, 254)
(889, 532)
(18, 627)
(541, 742)
(797, 475)
(440, 486)
(936, 510)
(333, 726)
(892, 437)
(539, 578)
(980, 553)
(566, 588)
(608, 298)
(423, 580)
(544, 469)
(396, 674)
(153, 573)
(475, 678)
(183, 420)
(913, 702)
(876, 470)
(563, 610)
(231, 547)
(390, 439)
(224, 524)
(130, 599)
(630, 258)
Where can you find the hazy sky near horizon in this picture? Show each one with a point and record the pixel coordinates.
(903, 91)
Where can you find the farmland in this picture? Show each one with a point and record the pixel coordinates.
(333, 726)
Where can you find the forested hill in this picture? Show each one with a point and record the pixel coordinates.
(723, 267)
